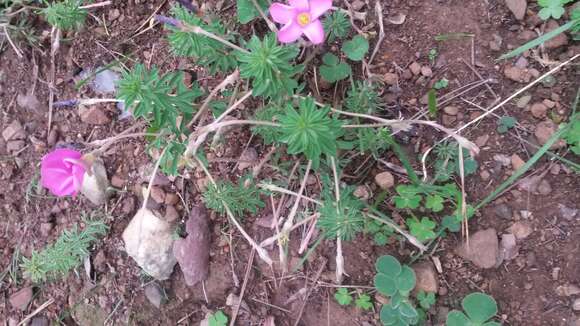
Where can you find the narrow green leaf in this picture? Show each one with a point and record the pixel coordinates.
(538, 41)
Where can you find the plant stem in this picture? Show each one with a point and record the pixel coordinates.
(339, 256)
(230, 79)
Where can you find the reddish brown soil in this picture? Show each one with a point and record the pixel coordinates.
(525, 287)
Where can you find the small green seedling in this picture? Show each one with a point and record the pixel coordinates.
(426, 300)
(343, 297)
(218, 319)
(380, 232)
(408, 197)
(441, 84)
(356, 49)
(572, 137)
(506, 123)
(479, 309)
(552, 8)
(363, 301)
(433, 55)
(422, 230)
(397, 282)
(432, 103)
(434, 203)
(333, 70)
(336, 25)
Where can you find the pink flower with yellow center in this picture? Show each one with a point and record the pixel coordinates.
(62, 172)
(301, 17)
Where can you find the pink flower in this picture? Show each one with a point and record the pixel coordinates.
(62, 171)
(300, 17)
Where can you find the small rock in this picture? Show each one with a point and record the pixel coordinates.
(93, 115)
(451, 110)
(576, 305)
(14, 146)
(481, 140)
(568, 213)
(522, 63)
(483, 249)
(45, 228)
(29, 102)
(149, 241)
(357, 5)
(154, 294)
(508, 247)
(128, 205)
(21, 298)
(361, 192)
(514, 73)
(558, 41)
(385, 180)
(504, 160)
(95, 183)
(517, 7)
(14, 131)
(549, 103)
(171, 213)
(105, 80)
(39, 321)
(171, 199)
(448, 120)
(567, 290)
(391, 78)
(503, 211)
(426, 71)
(426, 277)
(158, 194)
(89, 315)
(248, 158)
(118, 182)
(523, 101)
(52, 138)
(556, 274)
(113, 15)
(192, 253)
(544, 188)
(539, 110)
(484, 175)
(415, 68)
(545, 130)
(520, 230)
(517, 162)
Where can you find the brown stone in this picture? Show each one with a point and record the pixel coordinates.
(427, 280)
(517, 162)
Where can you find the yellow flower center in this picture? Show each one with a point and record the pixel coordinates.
(303, 19)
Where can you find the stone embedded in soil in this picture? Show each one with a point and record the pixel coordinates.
(518, 74)
(508, 248)
(523, 101)
(483, 248)
(158, 194)
(14, 146)
(426, 277)
(568, 213)
(576, 305)
(171, 214)
(14, 131)
(52, 137)
(520, 230)
(154, 295)
(118, 182)
(248, 158)
(96, 183)
(171, 199)
(39, 321)
(192, 253)
(426, 71)
(88, 315)
(484, 175)
(481, 140)
(545, 130)
(544, 188)
(558, 41)
(149, 241)
(567, 290)
(517, 7)
(503, 211)
(522, 63)
(391, 78)
(21, 298)
(517, 161)
(361, 192)
(539, 110)
(385, 180)
(29, 102)
(451, 110)
(415, 68)
(93, 115)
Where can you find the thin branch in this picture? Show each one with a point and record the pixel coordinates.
(55, 45)
(96, 5)
(229, 80)
(270, 24)
(14, 47)
(276, 188)
(243, 290)
(409, 237)
(339, 255)
(379, 12)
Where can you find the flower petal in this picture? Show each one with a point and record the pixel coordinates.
(319, 7)
(61, 170)
(282, 14)
(290, 33)
(315, 32)
(301, 5)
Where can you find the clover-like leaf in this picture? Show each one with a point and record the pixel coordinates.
(343, 297)
(218, 319)
(385, 285)
(422, 230)
(457, 318)
(356, 49)
(333, 70)
(479, 307)
(408, 197)
(434, 203)
(406, 280)
(388, 265)
(363, 302)
(389, 315)
(426, 300)
(407, 310)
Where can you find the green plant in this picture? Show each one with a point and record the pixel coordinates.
(505, 123)
(423, 230)
(363, 301)
(447, 162)
(247, 11)
(332, 70)
(441, 84)
(380, 232)
(478, 308)
(552, 8)
(572, 137)
(356, 49)
(396, 281)
(268, 66)
(343, 218)
(239, 198)
(207, 52)
(65, 15)
(343, 297)
(433, 55)
(57, 259)
(272, 113)
(426, 300)
(336, 25)
(310, 130)
(218, 319)
(362, 97)
(432, 103)
(408, 197)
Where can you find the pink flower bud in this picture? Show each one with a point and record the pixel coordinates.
(300, 17)
(62, 171)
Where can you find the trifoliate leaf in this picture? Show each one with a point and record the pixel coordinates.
(363, 302)
(422, 230)
(426, 300)
(333, 70)
(218, 319)
(356, 49)
(343, 297)
(434, 203)
(407, 198)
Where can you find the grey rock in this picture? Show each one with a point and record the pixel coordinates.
(568, 213)
(154, 294)
(149, 241)
(482, 249)
(517, 7)
(96, 183)
(248, 158)
(21, 298)
(192, 253)
(576, 305)
(503, 211)
(508, 247)
(39, 321)
(558, 41)
(14, 131)
(521, 229)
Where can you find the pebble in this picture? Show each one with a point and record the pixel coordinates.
(481, 140)
(93, 115)
(503, 211)
(52, 137)
(558, 41)
(391, 78)
(154, 294)
(508, 247)
(415, 68)
(171, 199)
(361, 192)
(549, 103)
(523, 101)
(448, 120)
(545, 130)
(520, 230)
(14, 146)
(45, 228)
(522, 63)
(483, 248)
(517, 162)
(171, 213)
(426, 277)
(517, 7)
(426, 71)
(567, 290)
(544, 188)
(114, 14)
(385, 180)
(248, 158)
(39, 321)
(576, 305)
(484, 175)
(568, 213)
(21, 298)
(13, 131)
(128, 205)
(539, 110)
(158, 194)
(118, 182)
(451, 110)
